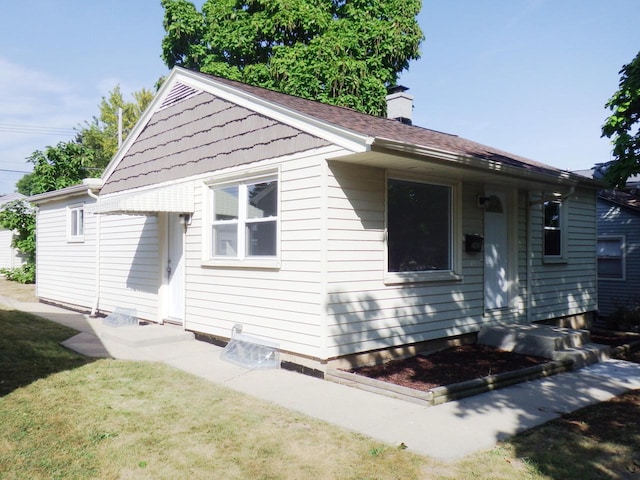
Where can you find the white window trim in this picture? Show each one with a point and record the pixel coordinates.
(72, 210)
(242, 261)
(455, 247)
(623, 248)
(564, 231)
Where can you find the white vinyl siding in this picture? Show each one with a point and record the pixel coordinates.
(568, 287)
(130, 264)
(9, 256)
(65, 271)
(280, 304)
(363, 312)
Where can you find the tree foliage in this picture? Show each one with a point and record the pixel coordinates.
(342, 52)
(18, 217)
(622, 126)
(61, 166)
(101, 134)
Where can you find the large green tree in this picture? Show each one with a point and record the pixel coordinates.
(622, 126)
(342, 52)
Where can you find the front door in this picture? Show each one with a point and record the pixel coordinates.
(174, 267)
(497, 284)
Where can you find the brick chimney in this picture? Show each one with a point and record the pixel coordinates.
(399, 104)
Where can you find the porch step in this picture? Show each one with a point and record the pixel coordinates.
(545, 341)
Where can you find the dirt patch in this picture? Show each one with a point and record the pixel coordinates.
(452, 365)
(18, 291)
(614, 339)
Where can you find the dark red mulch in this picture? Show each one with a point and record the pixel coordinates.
(452, 365)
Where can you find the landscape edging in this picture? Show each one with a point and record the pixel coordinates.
(447, 393)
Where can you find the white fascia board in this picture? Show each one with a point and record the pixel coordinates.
(345, 138)
(561, 178)
(63, 193)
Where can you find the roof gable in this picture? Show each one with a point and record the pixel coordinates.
(193, 132)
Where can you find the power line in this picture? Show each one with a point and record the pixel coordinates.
(35, 129)
(12, 171)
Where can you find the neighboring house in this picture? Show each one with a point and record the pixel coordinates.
(618, 250)
(329, 232)
(9, 257)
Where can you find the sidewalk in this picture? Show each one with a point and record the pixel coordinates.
(445, 432)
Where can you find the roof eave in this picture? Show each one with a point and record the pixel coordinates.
(560, 177)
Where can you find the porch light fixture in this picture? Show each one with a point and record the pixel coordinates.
(490, 203)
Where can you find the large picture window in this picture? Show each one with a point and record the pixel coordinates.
(245, 218)
(419, 225)
(610, 253)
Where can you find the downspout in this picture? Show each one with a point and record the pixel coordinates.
(96, 300)
(529, 259)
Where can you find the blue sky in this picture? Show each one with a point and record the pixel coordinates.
(527, 76)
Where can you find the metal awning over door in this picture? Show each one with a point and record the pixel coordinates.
(177, 198)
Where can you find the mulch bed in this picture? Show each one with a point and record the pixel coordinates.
(452, 365)
(467, 362)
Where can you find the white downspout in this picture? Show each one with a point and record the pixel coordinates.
(96, 300)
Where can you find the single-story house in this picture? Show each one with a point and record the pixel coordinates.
(337, 235)
(618, 250)
(10, 258)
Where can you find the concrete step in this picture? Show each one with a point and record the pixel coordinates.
(144, 335)
(540, 340)
(587, 354)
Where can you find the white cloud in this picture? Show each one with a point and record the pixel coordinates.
(37, 110)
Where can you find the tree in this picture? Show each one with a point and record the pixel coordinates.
(101, 134)
(61, 166)
(18, 217)
(342, 52)
(622, 126)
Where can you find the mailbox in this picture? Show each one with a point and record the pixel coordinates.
(473, 242)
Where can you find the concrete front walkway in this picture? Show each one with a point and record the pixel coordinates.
(445, 432)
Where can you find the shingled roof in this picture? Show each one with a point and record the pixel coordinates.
(390, 129)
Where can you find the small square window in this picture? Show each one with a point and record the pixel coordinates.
(245, 219)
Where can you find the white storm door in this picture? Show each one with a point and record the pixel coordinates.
(175, 268)
(496, 252)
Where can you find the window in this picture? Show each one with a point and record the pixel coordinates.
(245, 220)
(419, 226)
(610, 252)
(75, 223)
(553, 231)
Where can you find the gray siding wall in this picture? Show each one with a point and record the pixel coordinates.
(199, 134)
(615, 220)
(9, 256)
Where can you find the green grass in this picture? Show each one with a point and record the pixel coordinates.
(65, 417)
(29, 349)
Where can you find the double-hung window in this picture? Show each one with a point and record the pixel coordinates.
(244, 223)
(75, 223)
(610, 253)
(553, 229)
(419, 229)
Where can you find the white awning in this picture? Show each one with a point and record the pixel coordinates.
(173, 198)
